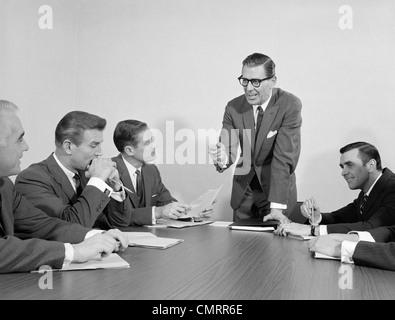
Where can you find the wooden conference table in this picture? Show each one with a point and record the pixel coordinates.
(213, 263)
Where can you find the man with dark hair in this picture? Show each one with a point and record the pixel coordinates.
(265, 123)
(150, 198)
(29, 238)
(375, 206)
(74, 183)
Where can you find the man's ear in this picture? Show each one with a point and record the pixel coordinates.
(372, 165)
(129, 150)
(67, 146)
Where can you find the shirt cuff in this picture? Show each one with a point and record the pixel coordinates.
(69, 254)
(323, 230)
(153, 215)
(119, 196)
(347, 251)
(100, 184)
(274, 205)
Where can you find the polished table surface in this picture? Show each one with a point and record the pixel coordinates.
(213, 263)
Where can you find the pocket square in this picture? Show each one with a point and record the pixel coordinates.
(271, 134)
(154, 195)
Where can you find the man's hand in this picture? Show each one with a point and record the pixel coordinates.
(293, 228)
(276, 214)
(310, 206)
(218, 154)
(100, 245)
(325, 245)
(102, 168)
(172, 210)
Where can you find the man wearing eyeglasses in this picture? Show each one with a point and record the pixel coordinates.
(265, 123)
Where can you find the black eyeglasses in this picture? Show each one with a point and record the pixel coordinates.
(255, 82)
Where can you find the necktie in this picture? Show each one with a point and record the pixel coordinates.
(365, 198)
(78, 184)
(258, 120)
(139, 190)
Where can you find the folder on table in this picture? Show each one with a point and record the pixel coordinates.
(256, 224)
(149, 240)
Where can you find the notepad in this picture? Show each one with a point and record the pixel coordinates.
(318, 255)
(250, 228)
(149, 240)
(168, 223)
(298, 237)
(113, 261)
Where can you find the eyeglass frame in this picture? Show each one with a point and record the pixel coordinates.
(250, 80)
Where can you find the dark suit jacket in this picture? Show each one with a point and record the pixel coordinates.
(47, 187)
(377, 254)
(275, 157)
(378, 211)
(20, 220)
(155, 192)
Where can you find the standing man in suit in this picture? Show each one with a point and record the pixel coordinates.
(374, 207)
(374, 248)
(29, 238)
(150, 198)
(265, 123)
(74, 183)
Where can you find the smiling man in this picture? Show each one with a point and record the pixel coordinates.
(265, 123)
(375, 206)
(75, 183)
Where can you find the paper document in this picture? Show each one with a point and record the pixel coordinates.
(250, 228)
(149, 240)
(318, 255)
(169, 223)
(221, 223)
(200, 204)
(113, 261)
(297, 237)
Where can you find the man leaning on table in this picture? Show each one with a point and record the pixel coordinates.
(374, 248)
(29, 238)
(75, 183)
(149, 198)
(375, 206)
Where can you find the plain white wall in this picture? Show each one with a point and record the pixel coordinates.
(177, 62)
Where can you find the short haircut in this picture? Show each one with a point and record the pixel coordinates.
(5, 107)
(126, 133)
(73, 125)
(366, 152)
(257, 59)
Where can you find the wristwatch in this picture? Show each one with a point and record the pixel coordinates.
(312, 232)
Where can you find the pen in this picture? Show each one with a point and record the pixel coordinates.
(120, 183)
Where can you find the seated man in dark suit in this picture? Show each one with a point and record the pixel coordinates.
(29, 238)
(74, 183)
(374, 207)
(151, 200)
(374, 248)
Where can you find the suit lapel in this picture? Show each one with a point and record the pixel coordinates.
(60, 177)
(126, 180)
(2, 232)
(376, 191)
(268, 118)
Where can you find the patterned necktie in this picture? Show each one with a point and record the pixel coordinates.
(78, 184)
(362, 205)
(139, 190)
(258, 120)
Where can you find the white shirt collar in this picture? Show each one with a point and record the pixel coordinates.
(68, 173)
(371, 187)
(264, 105)
(131, 168)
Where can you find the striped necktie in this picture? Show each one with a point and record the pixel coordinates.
(363, 202)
